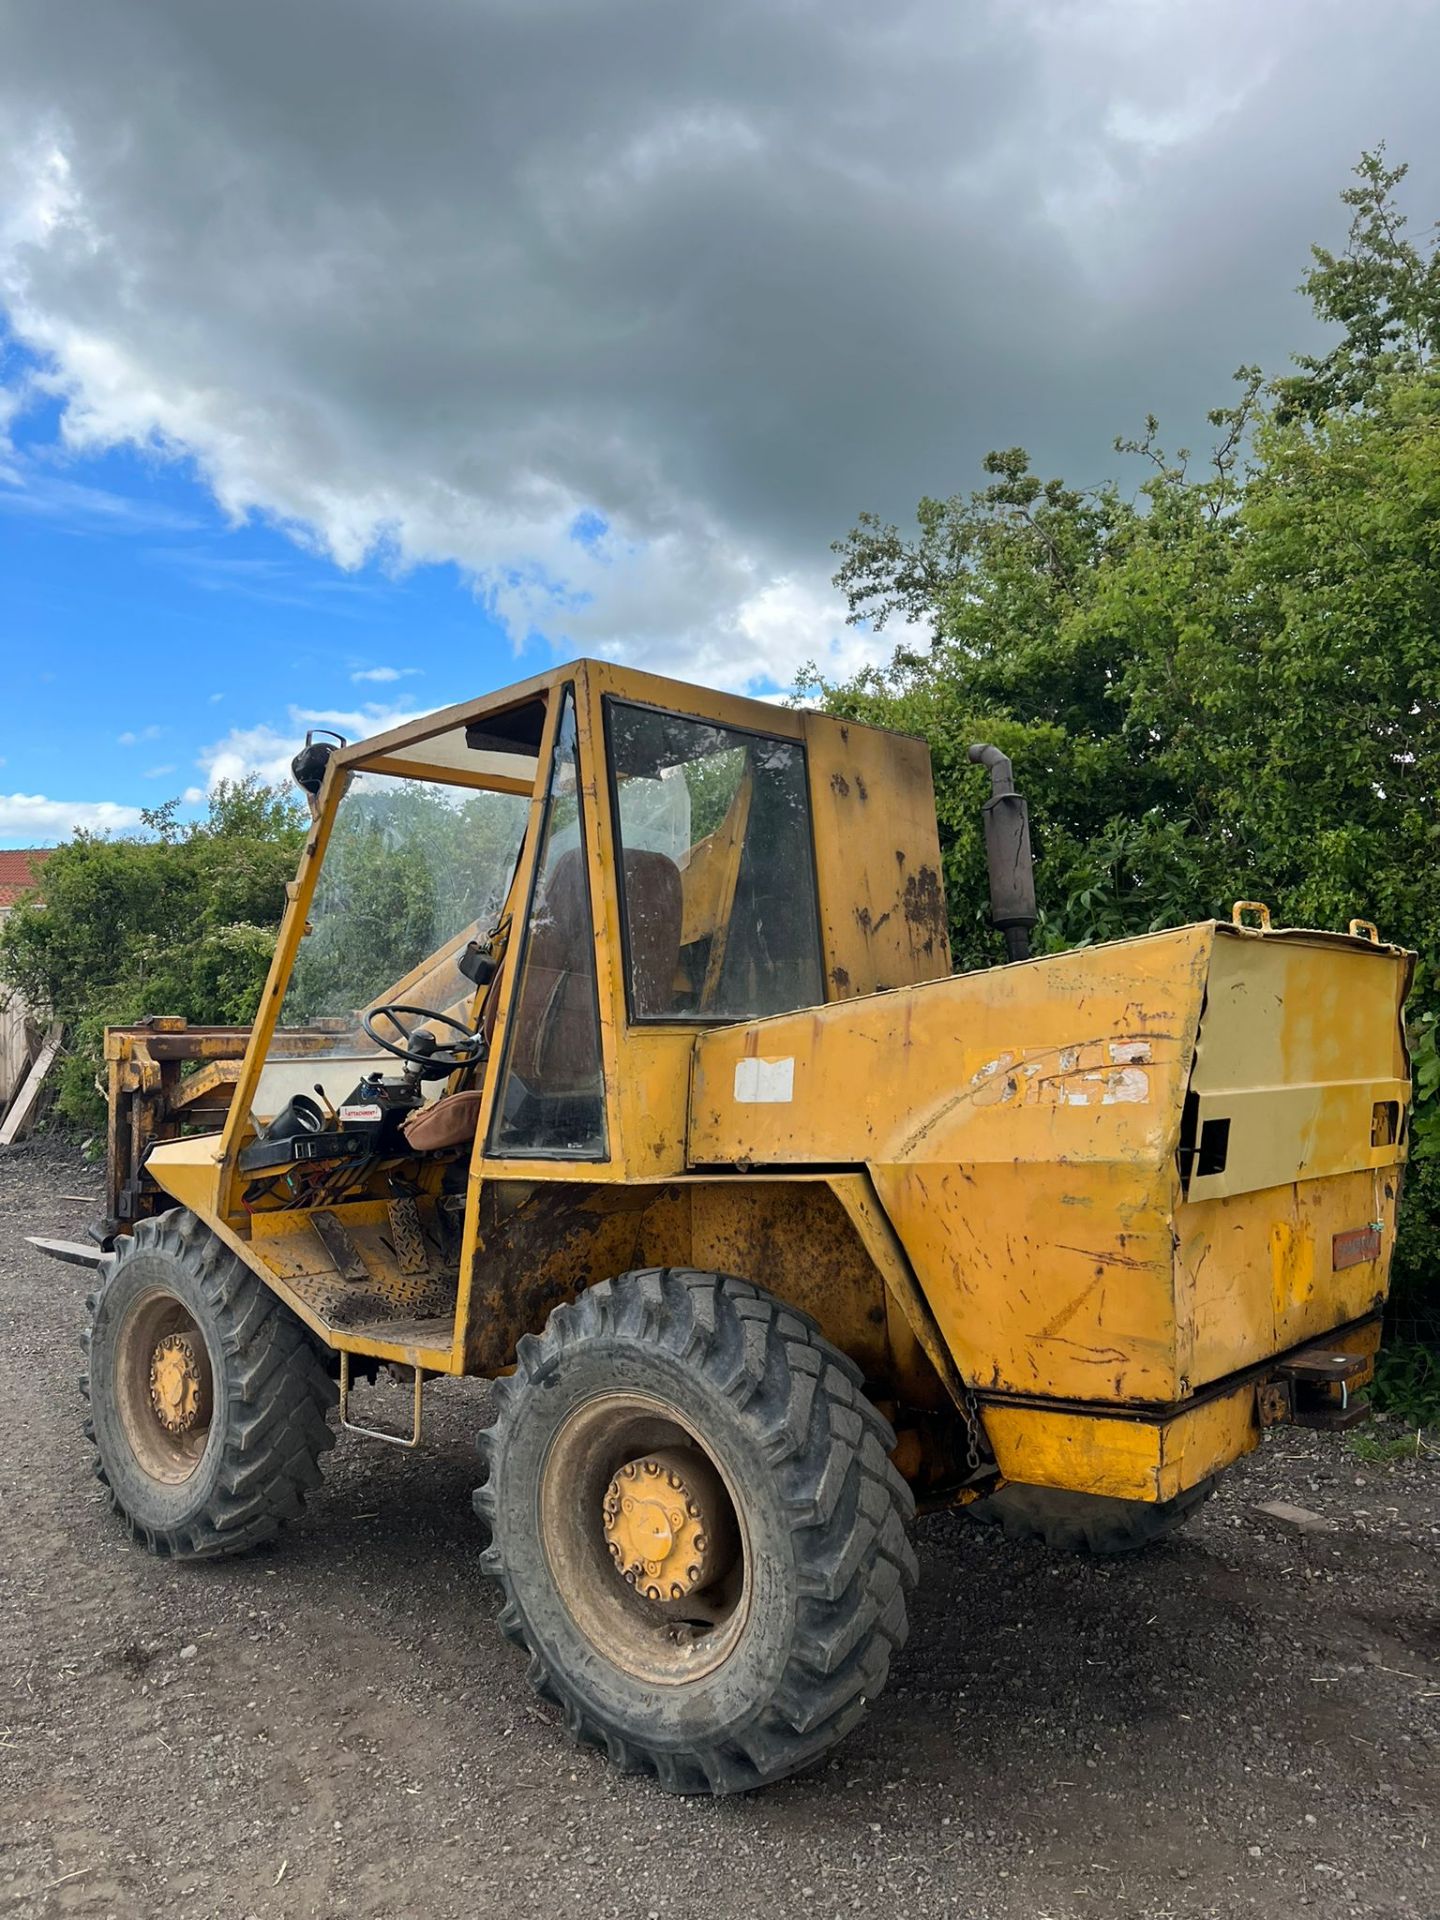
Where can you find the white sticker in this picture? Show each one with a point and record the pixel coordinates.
(1127, 1085)
(351, 1114)
(764, 1082)
(1129, 1052)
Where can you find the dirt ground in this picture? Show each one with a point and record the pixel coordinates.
(1243, 1722)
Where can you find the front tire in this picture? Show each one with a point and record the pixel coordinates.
(697, 1529)
(207, 1395)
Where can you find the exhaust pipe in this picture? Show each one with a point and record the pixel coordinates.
(1007, 854)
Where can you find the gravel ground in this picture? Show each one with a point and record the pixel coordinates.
(1242, 1722)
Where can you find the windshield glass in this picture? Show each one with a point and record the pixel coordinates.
(414, 870)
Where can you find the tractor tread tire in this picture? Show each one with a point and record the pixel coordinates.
(846, 1507)
(272, 1395)
(1087, 1522)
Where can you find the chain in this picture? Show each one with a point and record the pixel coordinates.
(975, 1443)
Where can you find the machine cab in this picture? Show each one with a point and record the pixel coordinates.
(515, 914)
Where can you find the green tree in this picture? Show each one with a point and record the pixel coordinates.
(1225, 686)
(181, 920)
(1383, 293)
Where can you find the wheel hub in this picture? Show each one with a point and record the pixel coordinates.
(178, 1388)
(662, 1518)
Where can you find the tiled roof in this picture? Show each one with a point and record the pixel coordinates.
(19, 871)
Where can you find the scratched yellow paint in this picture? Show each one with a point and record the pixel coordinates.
(1045, 1279)
(1253, 1271)
(1081, 1056)
(1023, 1128)
(1125, 1459)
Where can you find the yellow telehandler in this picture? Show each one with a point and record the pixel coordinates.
(611, 1051)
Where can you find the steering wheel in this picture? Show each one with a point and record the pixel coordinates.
(433, 1059)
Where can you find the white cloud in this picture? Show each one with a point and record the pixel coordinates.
(267, 750)
(381, 675)
(27, 818)
(158, 773)
(133, 738)
(711, 280)
(261, 750)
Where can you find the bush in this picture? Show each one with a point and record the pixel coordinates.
(180, 920)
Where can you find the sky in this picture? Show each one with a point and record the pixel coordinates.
(358, 357)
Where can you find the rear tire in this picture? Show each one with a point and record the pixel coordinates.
(207, 1395)
(676, 1393)
(1088, 1522)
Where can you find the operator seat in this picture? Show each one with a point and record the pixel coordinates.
(556, 1046)
(655, 913)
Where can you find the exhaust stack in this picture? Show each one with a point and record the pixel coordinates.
(1007, 854)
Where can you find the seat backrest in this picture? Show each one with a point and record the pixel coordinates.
(654, 910)
(557, 1039)
(556, 1047)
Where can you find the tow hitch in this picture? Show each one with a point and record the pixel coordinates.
(1316, 1388)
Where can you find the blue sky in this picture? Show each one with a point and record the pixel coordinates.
(144, 634)
(598, 324)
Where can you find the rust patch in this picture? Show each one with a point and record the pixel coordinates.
(839, 784)
(557, 1241)
(861, 788)
(925, 907)
(798, 1243)
(840, 978)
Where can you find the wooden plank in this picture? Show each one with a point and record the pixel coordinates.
(14, 1047)
(23, 1104)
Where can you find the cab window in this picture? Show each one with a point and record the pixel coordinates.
(717, 873)
(552, 1099)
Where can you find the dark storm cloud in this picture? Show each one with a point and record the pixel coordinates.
(444, 275)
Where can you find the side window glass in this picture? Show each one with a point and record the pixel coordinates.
(552, 1100)
(717, 871)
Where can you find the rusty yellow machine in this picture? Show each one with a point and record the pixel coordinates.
(611, 1050)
